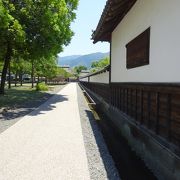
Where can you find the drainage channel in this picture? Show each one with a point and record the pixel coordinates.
(129, 165)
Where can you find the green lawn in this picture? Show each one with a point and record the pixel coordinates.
(17, 96)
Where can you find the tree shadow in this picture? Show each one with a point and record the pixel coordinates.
(45, 103)
(49, 105)
(11, 114)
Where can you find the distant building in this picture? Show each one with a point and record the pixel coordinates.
(84, 73)
(101, 76)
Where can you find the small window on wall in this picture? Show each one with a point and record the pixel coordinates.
(137, 50)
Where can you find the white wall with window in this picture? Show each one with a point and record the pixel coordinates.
(162, 16)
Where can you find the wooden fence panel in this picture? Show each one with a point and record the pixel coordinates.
(155, 106)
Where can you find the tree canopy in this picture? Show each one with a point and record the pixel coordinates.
(34, 29)
(97, 65)
(47, 25)
(11, 31)
(63, 73)
(78, 69)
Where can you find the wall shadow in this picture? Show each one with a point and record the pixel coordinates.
(111, 171)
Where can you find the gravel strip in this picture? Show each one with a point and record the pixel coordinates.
(10, 116)
(101, 165)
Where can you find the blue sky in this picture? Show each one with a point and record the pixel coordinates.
(88, 15)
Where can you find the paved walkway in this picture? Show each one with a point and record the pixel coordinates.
(47, 144)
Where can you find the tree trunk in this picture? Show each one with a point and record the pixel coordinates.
(9, 73)
(5, 67)
(21, 79)
(38, 79)
(15, 82)
(32, 74)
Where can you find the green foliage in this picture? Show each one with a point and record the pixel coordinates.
(35, 31)
(1, 66)
(20, 66)
(47, 25)
(97, 65)
(41, 87)
(11, 30)
(78, 69)
(46, 67)
(63, 73)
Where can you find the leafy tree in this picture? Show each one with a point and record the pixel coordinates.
(48, 28)
(63, 73)
(78, 69)
(11, 37)
(41, 27)
(46, 67)
(20, 67)
(97, 65)
(1, 66)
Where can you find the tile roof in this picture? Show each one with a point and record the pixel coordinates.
(113, 13)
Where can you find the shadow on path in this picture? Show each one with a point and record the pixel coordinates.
(12, 115)
(49, 105)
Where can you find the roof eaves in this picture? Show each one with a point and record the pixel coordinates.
(106, 68)
(113, 13)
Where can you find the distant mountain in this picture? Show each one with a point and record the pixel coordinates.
(84, 60)
(69, 58)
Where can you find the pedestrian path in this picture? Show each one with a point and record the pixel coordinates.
(47, 144)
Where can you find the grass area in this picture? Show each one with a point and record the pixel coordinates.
(20, 95)
(42, 87)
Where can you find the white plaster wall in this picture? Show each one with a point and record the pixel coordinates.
(84, 79)
(100, 78)
(163, 16)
